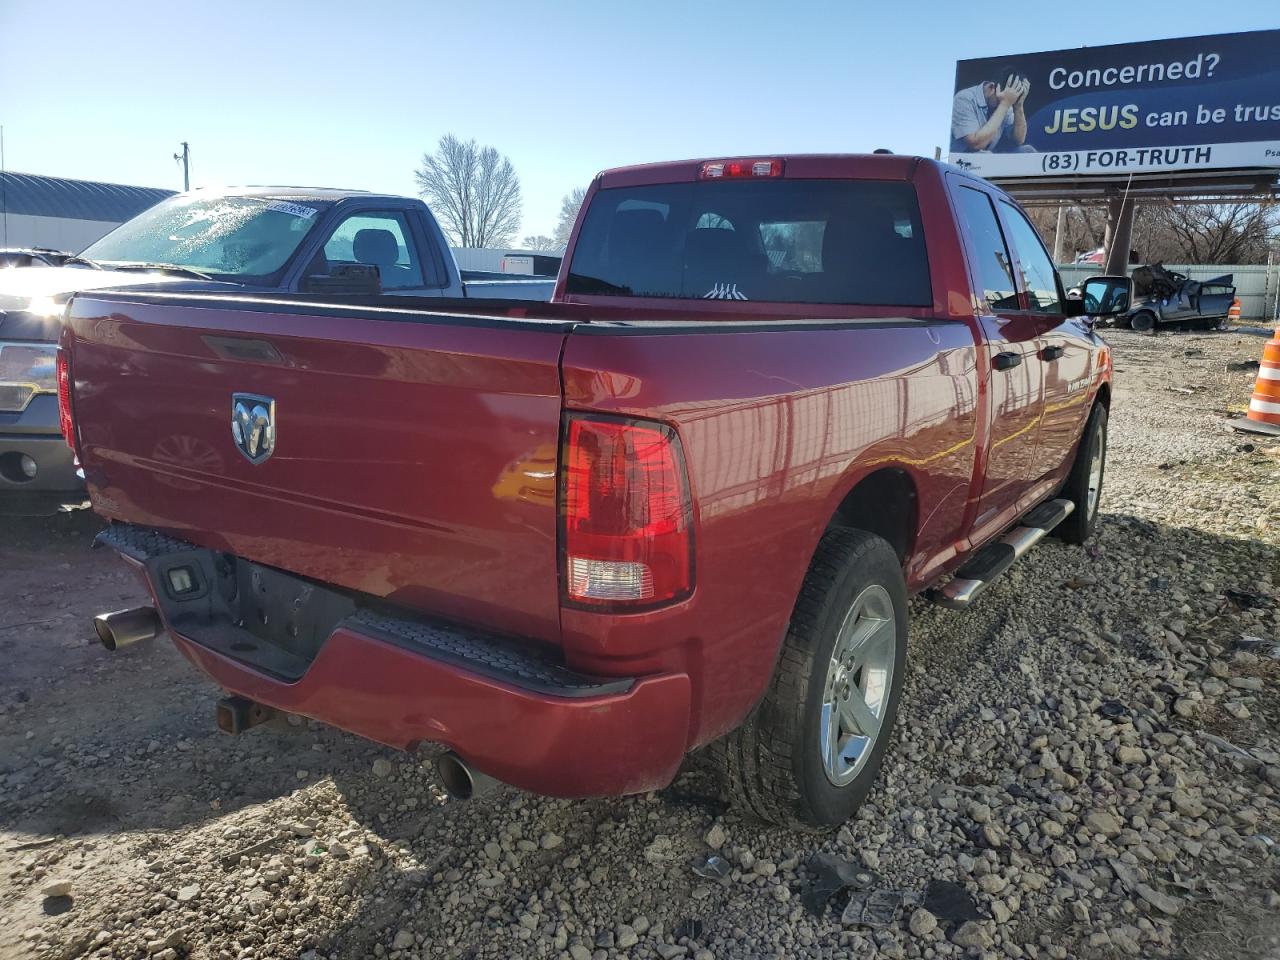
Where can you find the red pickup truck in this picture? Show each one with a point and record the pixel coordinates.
(683, 504)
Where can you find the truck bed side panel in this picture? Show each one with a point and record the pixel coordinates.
(414, 461)
(777, 423)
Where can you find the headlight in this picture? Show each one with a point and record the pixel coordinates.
(25, 370)
(45, 307)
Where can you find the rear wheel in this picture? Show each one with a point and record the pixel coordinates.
(1144, 321)
(809, 753)
(1084, 483)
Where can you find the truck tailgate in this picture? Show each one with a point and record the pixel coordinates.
(414, 454)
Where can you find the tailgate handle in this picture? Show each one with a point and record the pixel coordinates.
(237, 348)
(1052, 353)
(1006, 361)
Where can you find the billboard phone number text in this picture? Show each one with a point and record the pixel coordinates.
(1135, 158)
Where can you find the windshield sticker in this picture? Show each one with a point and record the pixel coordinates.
(724, 291)
(293, 209)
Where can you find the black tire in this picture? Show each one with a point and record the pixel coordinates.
(772, 765)
(1144, 321)
(1080, 526)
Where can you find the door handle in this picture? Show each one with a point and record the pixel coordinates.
(1052, 353)
(1006, 361)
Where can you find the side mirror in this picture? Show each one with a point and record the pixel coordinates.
(1100, 297)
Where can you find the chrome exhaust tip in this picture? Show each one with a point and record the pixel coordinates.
(462, 781)
(125, 627)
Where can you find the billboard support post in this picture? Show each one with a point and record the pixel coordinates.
(1119, 238)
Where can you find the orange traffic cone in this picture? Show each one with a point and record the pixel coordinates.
(1264, 405)
(1234, 312)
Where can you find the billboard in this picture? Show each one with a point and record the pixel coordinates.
(1197, 103)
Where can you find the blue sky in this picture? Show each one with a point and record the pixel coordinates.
(351, 94)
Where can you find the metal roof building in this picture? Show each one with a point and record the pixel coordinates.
(37, 211)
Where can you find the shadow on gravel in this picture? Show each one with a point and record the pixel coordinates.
(98, 744)
(479, 864)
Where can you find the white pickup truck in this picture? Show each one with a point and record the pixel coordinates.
(259, 239)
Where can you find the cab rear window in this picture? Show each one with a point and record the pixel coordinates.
(783, 241)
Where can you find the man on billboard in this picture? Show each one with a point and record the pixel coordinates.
(991, 117)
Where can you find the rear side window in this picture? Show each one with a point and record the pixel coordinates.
(381, 240)
(995, 269)
(1038, 275)
(784, 241)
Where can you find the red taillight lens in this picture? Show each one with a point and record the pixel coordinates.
(627, 515)
(739, 169)
(64, 400)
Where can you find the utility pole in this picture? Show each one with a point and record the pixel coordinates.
(185, 159)
(4, 199)
(1057, 235)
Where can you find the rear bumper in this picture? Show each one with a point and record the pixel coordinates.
(518, 718)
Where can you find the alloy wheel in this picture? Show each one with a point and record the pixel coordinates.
(856, 692)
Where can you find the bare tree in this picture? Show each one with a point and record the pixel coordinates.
(473, 191)
(1172, 233)
(1212, 232)
(540, 244)
(570, 204)
(1082, 228)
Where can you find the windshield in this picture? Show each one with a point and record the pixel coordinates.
(227, 236)
(785, 241)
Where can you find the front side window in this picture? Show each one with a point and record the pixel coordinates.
(783, 241)
(241, 237)
(995, 270)
(1038, 276)
(380, 240)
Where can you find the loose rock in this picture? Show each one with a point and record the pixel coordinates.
(56, 888)
(923, 922)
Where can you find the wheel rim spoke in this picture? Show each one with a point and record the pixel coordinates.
(869, 632)
(830, 734)
(858, 716)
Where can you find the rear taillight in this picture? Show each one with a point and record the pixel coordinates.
(739, 169)
(626, 514)
(64, 400)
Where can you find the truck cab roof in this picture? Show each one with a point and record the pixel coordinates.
(832, 166)
(329, 194)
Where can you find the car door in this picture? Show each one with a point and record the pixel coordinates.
(1184, 305)
(1016, 375)
(1216, 297)
(386, 239)
(1065, 349)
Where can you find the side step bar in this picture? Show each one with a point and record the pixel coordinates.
(995, 558)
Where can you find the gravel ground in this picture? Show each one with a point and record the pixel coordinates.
(1090, 752)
